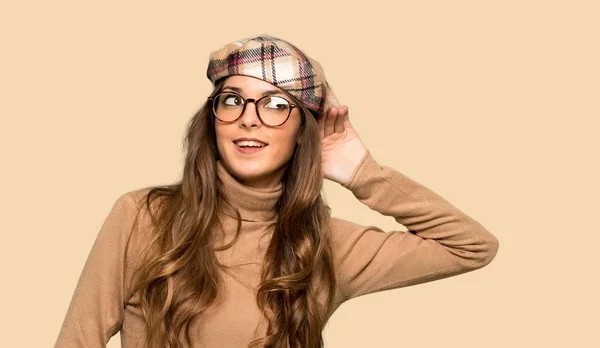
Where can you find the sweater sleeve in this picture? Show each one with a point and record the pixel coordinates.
(96, 310)
(441, 240)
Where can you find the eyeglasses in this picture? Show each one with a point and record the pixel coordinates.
(272, 111)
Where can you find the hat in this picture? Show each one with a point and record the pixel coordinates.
(278, 62)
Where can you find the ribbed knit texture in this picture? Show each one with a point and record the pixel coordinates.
(442, 241)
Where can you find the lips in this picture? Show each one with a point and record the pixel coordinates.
(250, 143)
(263, 143)
(249, 149)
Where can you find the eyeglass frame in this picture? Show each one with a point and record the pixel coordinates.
(253, 100)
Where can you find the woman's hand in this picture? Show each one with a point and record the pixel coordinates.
(342, 148)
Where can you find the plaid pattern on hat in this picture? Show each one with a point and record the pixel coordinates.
(275, 61)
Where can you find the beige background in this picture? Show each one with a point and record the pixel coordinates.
(493, 105)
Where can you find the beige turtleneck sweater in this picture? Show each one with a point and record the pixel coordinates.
(441, 242)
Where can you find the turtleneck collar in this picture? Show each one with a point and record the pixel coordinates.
(254, 204)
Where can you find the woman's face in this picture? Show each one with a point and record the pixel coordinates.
(263, 168)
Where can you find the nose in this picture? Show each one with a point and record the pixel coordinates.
(249, 118)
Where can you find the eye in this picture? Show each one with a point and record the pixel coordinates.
(232, 100)
(277, 103)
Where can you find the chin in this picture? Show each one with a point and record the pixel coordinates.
(250, 173)
(248, 168)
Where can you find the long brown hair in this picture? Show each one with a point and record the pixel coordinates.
(178, 277)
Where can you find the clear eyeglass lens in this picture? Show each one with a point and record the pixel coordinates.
(272, 110)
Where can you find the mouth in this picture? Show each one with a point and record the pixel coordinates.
(248, 150)
(250, 144)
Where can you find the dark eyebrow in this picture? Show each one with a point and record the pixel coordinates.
(239, 90)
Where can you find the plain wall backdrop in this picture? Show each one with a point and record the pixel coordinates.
(493, 105)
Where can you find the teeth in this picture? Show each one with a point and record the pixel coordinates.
(249, 143)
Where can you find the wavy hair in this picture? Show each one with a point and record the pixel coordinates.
(178, 277)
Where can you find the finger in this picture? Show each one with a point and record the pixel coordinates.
(339, 122)
(347, 123)
(321, 124)
(330, 121)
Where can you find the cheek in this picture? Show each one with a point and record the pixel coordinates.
(221, 137)
(286, 142)
(286, 145)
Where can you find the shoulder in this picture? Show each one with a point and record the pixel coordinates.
(338, 225)
(134, 204)
(342, 228)
(136, 198)
(346, 235)
(136, 219)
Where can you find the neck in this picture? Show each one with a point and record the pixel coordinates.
(267, 182)
(253, 203)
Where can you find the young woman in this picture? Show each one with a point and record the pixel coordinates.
(243, 251)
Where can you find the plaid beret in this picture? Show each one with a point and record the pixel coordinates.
(278, 62)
